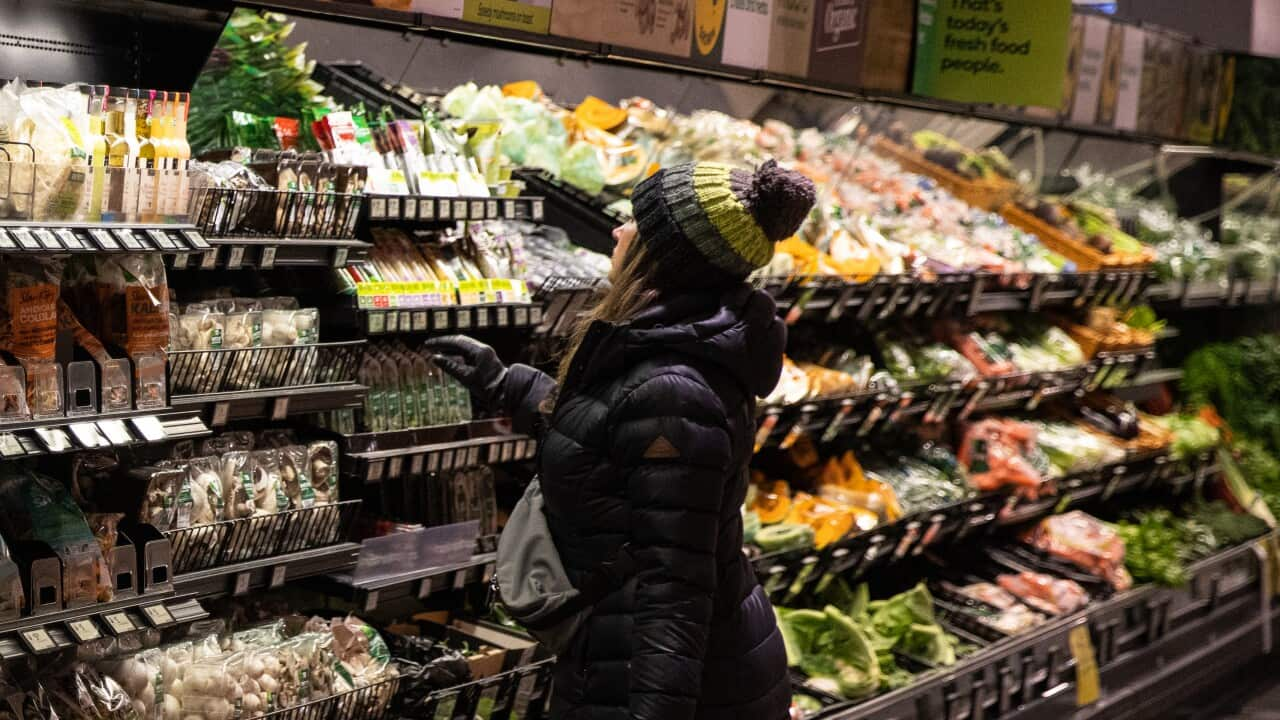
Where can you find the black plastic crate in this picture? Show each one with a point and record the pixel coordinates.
(261, 536)
(197, 372)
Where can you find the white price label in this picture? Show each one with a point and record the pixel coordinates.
(536, 209)
(420, 321)
(521, 317)
(158, 615)
(501, 316)
(491, 210)
(371, 601)
(85, 630)
(376, 470)
(340, 257)
(463, 318)
(410, 209)
(489, 569)
(161, 239)
(424, 588)
(404, 321)
(241, 585)
(393, 208)
(181, 261)
(38, 640)
(151, 428)
(210, 259)
(6, 242)
(482, 317)
(25, 239)
(10, 446)
(47, 239)
(119, 623)
(477, 210)
(509, 209)
(235, 257)
(473, 456)
(220, 412)
(415, 464)
(535, 315)
(393, 322)
(448, 457)
(394, 466)
(377, 323)
(378, 208)
(433, 462)
(459, 209)
(460, 579)
(69, 238)
(195, 239)
(444, 209)
(87, 434)
(103, 237)
(278, 575)
(440, 320)
(280, 408)
(427, 209)
(268, 259)
(115, 431)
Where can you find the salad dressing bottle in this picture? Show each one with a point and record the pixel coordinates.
(146, 158)
(96, 142)
(182, 153)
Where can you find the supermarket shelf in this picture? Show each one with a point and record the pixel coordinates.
(274, 404)
(75, 237)
(103, 430)
(561, 47)
(265, 253)
(880, 409)
(54, 632)
(374, 457)
(789, 575)
(420, 583)
(421, 209)
(461, 318)
(1236, 292)
(238, 579)
(1141, 658)
(583, 216)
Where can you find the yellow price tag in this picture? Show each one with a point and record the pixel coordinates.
(1088, 685)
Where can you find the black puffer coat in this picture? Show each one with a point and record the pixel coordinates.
(649, 443)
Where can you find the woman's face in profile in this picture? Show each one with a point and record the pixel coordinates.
(623, 236)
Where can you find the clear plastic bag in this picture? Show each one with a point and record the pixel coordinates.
(237, 475)
(295, 477)
(322, 460)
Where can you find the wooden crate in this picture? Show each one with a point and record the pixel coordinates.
(984, 194)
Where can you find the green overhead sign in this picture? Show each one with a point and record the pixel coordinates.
(1008, 52)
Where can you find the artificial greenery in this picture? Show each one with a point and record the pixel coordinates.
(254, 70)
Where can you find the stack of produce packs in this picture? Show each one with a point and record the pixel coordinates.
(236, 323)
(407, 390)
(245, 674)
(112, 307)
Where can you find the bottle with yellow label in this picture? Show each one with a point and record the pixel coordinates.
(96, 146)
(121, 200)
(146, 161)
(162, 127)
(182, 153)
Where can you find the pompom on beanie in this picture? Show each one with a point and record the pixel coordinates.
(720, 218)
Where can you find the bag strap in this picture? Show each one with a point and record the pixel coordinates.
(605, 579)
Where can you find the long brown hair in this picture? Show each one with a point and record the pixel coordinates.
(632, 289)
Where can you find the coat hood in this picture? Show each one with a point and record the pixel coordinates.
(738, 329)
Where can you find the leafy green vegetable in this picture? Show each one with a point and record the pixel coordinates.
(1160, 545)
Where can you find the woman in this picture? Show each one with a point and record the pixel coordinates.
(648, 444)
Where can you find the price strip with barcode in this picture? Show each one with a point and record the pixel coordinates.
(377, 323)
(161, 239)
(84, 630)
(278, 576)
(371, 601)
(47, 239)
(25, 239)
(195, 239)
(426, 209)
(268, 258)
(103, 238)
(158, 615)
(220, 412)
(393, 322)
(280, 408)
(440, 320)
(69, 239)
(241, 584)
(340, 256)
(419, 321)
(181, 260)
(119, 623)
(209, 260)
(235, 257)
(38, 640)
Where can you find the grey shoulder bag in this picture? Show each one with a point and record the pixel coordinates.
(531, 583)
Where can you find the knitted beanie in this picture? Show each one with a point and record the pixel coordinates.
(729, 218)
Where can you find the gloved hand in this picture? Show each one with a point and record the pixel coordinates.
(474, 364)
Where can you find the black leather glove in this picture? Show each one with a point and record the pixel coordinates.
(474, 364)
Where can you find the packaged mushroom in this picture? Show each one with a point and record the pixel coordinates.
(86, 693)
(322, 460)
(214, 689)
(199, 327)
(268, 493)
(38, 508)
(161, 488)
(290, 327)
(205, 481)
(295, 477)
(242, 331)
(237, 469)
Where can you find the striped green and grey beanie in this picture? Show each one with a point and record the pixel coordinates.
(731, 218)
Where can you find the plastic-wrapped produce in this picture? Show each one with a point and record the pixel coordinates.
(205, 480)
(322, 460)
(1000, 452)
(236, 470)
(159, 498)
(86, 693)
(39, 508)
(295, 477)
(268, 493)
(134, 297)
(290, 326)
(1086, 542)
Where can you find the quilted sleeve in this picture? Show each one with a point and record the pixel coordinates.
(523, 393)
(670, 438)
